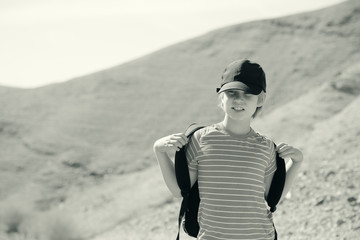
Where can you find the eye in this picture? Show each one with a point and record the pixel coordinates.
(230, 93)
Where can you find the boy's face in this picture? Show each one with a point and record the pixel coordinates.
(239, 105)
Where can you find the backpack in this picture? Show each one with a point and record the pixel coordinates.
(191, 199)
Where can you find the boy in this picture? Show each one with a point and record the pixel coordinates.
(233, 164)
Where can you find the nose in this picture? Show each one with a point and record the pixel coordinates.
(239, 96)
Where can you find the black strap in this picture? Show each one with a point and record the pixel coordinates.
(275, 233)
(181, 165)
(183, 207)
(182, 174)
(277, 184)
(183, 182)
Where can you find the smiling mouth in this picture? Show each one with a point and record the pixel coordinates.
(238, 108)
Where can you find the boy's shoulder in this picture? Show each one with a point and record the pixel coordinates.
(206, 131)
(262, 137)
(265, 140)
(215, 130)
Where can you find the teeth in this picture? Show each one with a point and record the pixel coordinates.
(238, 108)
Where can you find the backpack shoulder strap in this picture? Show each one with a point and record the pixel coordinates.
(182, 174)
(277, 184)
(192, 129)
(181, 165)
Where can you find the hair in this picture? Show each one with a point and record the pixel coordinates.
(258, 109)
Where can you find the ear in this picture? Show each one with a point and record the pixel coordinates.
(261, 99)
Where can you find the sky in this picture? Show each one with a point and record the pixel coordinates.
(49, 41)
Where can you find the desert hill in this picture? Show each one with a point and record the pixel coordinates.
(74, 148)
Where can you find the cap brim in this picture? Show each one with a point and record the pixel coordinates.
(236, 85)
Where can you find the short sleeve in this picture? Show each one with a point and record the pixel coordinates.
(271, 168)
(191, 151)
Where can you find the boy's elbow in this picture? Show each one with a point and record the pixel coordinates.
(176, 194)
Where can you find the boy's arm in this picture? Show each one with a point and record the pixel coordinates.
(292, 166)
(292, 169)
(268, 180)
(168, 171)
(193, 177)
(161, 147)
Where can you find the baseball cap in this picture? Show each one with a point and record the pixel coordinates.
(243, 75)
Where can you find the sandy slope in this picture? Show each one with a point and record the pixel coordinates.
(328, 209)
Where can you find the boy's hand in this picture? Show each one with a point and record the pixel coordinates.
(286, 151)
(171, 142)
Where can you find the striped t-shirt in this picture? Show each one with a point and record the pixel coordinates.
(231, 173)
